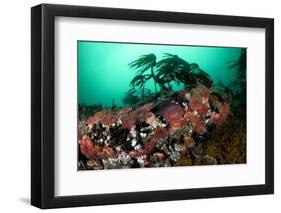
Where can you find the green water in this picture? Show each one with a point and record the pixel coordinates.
(104, 74)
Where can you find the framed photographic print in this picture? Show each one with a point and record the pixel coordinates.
(140, 106)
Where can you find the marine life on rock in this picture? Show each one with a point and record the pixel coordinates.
(160, 126)
(140, 132)
(220, 117)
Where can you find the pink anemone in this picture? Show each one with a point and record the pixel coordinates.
(174, 116)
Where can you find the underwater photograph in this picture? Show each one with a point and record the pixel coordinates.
(160, 105)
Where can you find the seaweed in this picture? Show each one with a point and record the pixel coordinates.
(170, 69)
(143, 64)
(238, 85)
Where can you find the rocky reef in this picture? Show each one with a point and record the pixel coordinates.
(189, 127)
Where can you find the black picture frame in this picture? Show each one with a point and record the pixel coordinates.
(43, 117)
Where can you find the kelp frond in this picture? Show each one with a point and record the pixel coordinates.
(139, 80)
(143, 63)
(239, 65)
(131, 97)
(170, 67)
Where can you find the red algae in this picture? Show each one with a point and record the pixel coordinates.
(94, 151)
(105, 117)
(198, 106)
(148, 147)
(148, 106)
(200, 100)
(201, 91)
(107, 152)
(160, 132)
(220, 118)
(174, 116)
(177, 123)
(141, 114)
(128, 123)
(87, 147)
(174, 112)
(97, 117)
(200, 128)
(108, 118)
(123, 112)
